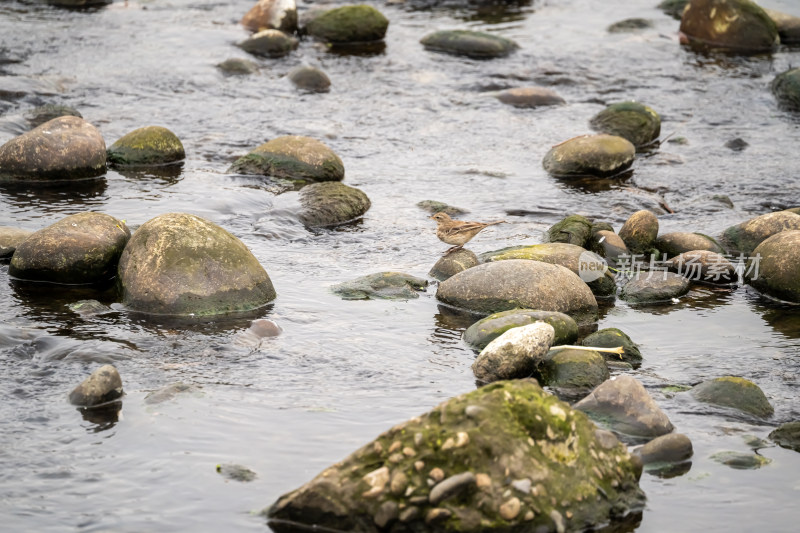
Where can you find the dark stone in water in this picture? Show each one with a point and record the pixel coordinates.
(269, 43)
(613, 338)
(787, 436)
(654, 287)
(741, 461)
(310, 79)
(786, 88)
(474, 44)
(238, 67)
(39, 115)
(349, 24)
(735, 392)
(433, 207)
(630, 25)
(737, 25)
(737, 145)
(331, 203)
(381, 286)
(236, 472)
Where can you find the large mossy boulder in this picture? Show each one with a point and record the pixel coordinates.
(573, 369)
(484, 331)
(292, 157)
(80, 249)
(679, 242)
(515, 354)
(745, 237)
(10, 238)
(151, 145)
(570, 256)
(517, 283)
(623, 404)
(735, 392)
(381, 286)
(271, 15)
(181, 264)
(505, 457)
(573, 229)
(640, 231)
(737, 25)
(786, 88)
(777, 271)
(473, 44)
(614, 338)
(269, 43)
(633, 121)
(64, 148)
(349, 24)
(331, 203)
(599, 155)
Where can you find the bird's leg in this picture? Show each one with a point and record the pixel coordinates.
(453, 249)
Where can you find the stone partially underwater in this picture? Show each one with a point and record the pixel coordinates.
(506, 457)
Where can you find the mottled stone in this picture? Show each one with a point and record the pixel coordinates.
(10, 238)
(102, 386)
(702, 265)
(381, 286)
(745, 237)
(292, 157)
(633, 121)
(614, 338)
(654, 287)
(236, 472)
(640, 231)
(269, 43)
(678, 242)
(735, 392)
(530, 97)
(473, 44)
(514, 354)
(738, 25)
(271, 15)
(741, 461)
(484, 331)
(590, 155)
(786, 89)
(331, 203)
(573, 229)
(349, 24)
(310, 78)
(787, 435)
(577, 369)
(238, 67)
(151, 145)
(452, 263)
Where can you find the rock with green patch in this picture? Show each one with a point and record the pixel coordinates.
(557, 253)
(574, 229)
(452, 263)
(236, 472)
(47, 112)
(292, 157)
(10, 238)
(599, 155)
(310, 79)
(181, 264)
(528, 97)
(484, 331)
(89, 308)
(623, 404)
(670, 448)
(741, 461)
(636, 122)
(65, 148)
(80, 249)
(630, 25)
(237, 66)
(614, 338)
(573, 369)
(517, 283)
(473, 44)
(786, 88)
(349, 24)
(170, 392)
(331, 203)
(787, 435)
(102, 386)
(773, 267)
(679, 242)
(151, 145)
(673, 8)
(271, 15)
(640, 232)
(705, 266)
(433, 207)
(737, 25)
(745, 237)
(653, 287)
(788, 26)
(505, 457)
(381, 286)
(514, 354)
(734, 392)
(269, 43)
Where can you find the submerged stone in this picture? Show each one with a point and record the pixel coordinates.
(735, 392)
(433, 207)
(474, 44)
(479, 442)
(87, 308)
(741, 461)
(151, 145)
(590, 155)
(530, 97)
(349, 24)
(738, 25)
(80, 249)
(331, 203)
(630, 25)
(514, 354)
(102, 386)
(169, 392)
(679, 242)
(654, 287)
(640, 231)
(745, 237)
(631, 120)
(64, 148)
(292, 157)
(614, 338)
(271, 15)
(181, 264)
(310, 79)
(381, 286)
(238, 67)
(484, 331)
(786, 88)
(452, 263)
(236, 472)
(515, 283)
(787, 435)
(45, 113)
(269, 43)
(705, 266)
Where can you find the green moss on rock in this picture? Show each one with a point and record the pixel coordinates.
(151, 145)
(484, 331)
(613, 338)
(568, 368)
(636, 122)
(738, 25)
(574, 229)
(292, 157)
(331, 204)
(381, 286)
(735, 392)
(599, 155)
(349, 24)
(786, 88)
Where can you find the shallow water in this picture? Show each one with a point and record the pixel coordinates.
(409, 125)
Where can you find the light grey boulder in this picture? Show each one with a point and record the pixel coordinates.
(514, 354)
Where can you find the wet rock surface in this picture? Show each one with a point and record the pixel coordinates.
(102, 386)
(654, 287)
(484, 331)
(514, 354)
(331, 203)
(530, 97)
(151, 145)
(292, 157)
(636, 122)
(738, 25)
(735, 392)
(613, 338)
(381, 286)
(590, 155)
(474, 44)
(746, 236)
(640, 231)
(349, 24)
(10, 238)
(452, 263)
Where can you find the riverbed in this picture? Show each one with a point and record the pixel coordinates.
(409, 125)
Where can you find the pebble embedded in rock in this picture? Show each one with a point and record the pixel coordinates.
(450, 487)
(510, 509)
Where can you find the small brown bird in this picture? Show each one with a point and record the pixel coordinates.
(458, 232)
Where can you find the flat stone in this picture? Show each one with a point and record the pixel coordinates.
(528, 97)
(654, 287)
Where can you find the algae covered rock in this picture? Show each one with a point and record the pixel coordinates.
(741, 461)
(613, 338)
(181, 264)
(331, 203)
(574, 369)
(530, 97)
(574, 229)
(64, 148)
(636, 122)
(10, 238)
(653, 287)
(673, 8)
(292, 157)
(452, 263)
(473, 44)
(505, 457)
(271, 15)
(514, 354)
(151, 145)
(590, 155)
(484, 331)
(786, 88)
(738, 25)
(624, 405)
(702, 265)
(310, 79)
(516, 283)
(80, 249)
(102, 386)
(788, 26)
(434, 206)
(679, 242)
(640, 231)
(381, 286)
(349, 24)
(787, 436)
(774, 269)
(745, 237)
(269, 43)
(735, 392)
